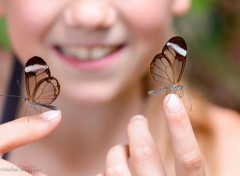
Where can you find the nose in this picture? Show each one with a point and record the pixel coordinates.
(89, 14)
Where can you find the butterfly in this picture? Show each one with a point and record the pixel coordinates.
(167, 67)
(41, 88)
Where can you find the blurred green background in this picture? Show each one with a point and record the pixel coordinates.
(4, 42)
(212, 32)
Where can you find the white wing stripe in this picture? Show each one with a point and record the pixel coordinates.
(178, 49)
(35, 67)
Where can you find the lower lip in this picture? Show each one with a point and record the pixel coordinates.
(90, 65)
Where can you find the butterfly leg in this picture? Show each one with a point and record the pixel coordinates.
(19, 108)
(26, 112)
(181, 93)
(190, 102)
(39, 111)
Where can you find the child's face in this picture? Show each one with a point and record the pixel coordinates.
(97, 49)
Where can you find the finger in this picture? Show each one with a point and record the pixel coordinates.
(117, 161)
(100, 174)
(144, 155)
(27, 129)
(188, 157)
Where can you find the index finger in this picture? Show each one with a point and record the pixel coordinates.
(26, 130)
(188, 157)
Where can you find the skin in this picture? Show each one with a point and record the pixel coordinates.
(144, 156)
(97, 105)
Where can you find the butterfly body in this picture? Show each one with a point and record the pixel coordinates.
(172, 89)
(167, 67)
(176, 88)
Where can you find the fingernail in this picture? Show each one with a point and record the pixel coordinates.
(173, 103)
(138, 117)
(51, 115)
(100, 174)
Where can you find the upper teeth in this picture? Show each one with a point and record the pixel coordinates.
(84, 53)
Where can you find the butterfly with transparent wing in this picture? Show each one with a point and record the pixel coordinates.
(42, 88)
(167, 67)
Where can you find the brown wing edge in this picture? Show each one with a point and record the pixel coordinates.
(179, 41)
(32, 61)
(159, 56)
(56, 90)
(36, 60)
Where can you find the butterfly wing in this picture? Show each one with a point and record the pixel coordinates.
(161, 70)
(167, 67)
(176, 51)
(36, 69)
(41, 87)
(46, 90)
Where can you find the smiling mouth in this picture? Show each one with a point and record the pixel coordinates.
(82, 53)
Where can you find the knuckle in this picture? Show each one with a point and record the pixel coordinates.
(142, 154)
(192, 162)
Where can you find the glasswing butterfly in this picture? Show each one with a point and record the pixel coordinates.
(167, 67)
(45, 87)
(41, 88)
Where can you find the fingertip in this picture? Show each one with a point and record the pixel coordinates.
(136, 122)
(137, 129)
(138, 117)
(99, 174)
(40, 124)
(172, 104)
(48, 117)
(51, 115)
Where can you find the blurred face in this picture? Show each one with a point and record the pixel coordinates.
(96, 49)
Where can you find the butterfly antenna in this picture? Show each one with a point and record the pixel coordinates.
(40, 113)
(15, 96)
(19, 85)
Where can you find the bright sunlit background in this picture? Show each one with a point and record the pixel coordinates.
(212, 32)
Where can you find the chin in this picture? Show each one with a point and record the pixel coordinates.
(91, 96)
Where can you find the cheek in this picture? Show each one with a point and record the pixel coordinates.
(146, 15)
(149, 22)
(28, 22)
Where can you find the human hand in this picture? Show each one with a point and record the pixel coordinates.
(23, 131)
(141, 157)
